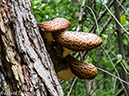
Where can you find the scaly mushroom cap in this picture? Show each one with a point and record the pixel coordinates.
(55, 25)
(82, 70)
(77, 41)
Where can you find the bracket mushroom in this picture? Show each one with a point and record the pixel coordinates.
(78, 41)
(53, 26)
(49, 27)
(83, 70)
(71, 41)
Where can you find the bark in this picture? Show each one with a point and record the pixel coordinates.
(120, 43)
(25, 65)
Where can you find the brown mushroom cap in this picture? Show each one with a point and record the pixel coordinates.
(55, 25)
(77, 41)
(81, 69)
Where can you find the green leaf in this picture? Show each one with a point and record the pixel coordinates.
(118, 61)
(125, 41)
(119, 56)
(123, 19)
(57, 1)
(125, 64)
(114, 59)
(105, 36)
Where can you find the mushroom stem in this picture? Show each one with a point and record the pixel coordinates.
(66, 52)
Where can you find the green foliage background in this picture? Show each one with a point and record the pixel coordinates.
(45, 10)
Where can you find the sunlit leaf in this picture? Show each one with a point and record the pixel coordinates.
(105, 36)
(123, 19)
(125, 42)
(119, 56)
(57, 1)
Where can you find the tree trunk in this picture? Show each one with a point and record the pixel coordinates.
(25, 65)
(120, 43)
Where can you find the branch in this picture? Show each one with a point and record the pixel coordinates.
(72, 86)
(113, 75)
(115, 70)
(115, 18)
(100, 17)
(81, 14)
(105, 25)
(123, 6)
(119, 93)
(105, 46)
(94, 16)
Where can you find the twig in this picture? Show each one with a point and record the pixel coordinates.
(68, 87)
(102, 15)
(86, 87)
(61, 81)
(81, 13)
(105, 46)
(114, 85)
(94, 16)
(72, 86)
(81, 93)
(115, 18)
(123, 7)
(120, 62)
(113, 75)
(105, 25)
(115, 70)
(95, 92)
(117, 94)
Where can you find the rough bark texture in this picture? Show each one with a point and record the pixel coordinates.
(120, 43)
(25, 65)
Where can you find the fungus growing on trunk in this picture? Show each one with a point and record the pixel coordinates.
(71, 41)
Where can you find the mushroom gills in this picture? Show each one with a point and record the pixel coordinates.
(65, 74)
(66, 52)
(82, 70)
(48, 36)
(77, 41)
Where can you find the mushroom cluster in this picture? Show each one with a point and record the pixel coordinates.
(71, 41)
